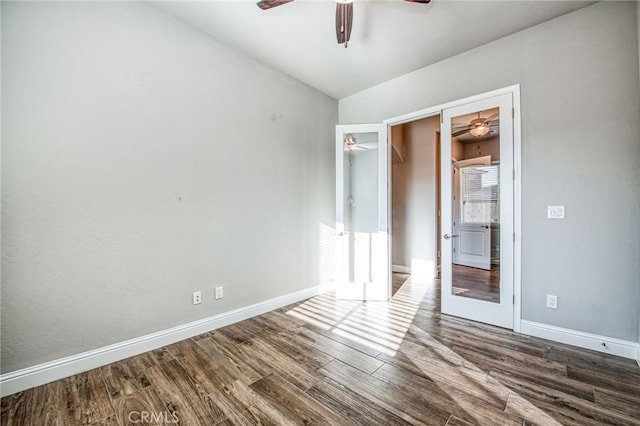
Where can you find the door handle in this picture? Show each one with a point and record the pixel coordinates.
(448, 237)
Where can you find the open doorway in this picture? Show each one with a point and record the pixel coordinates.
(414, 204)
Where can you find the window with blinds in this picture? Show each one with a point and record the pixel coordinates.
(480, 194)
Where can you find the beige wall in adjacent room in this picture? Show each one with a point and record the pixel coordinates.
(414, 202)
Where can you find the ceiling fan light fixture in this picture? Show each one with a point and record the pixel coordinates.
(479, 127)
(350, 142)
(480, 130)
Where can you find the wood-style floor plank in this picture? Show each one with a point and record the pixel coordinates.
(131, 408)
(548, 377)
(411, 407)
(302, 351)
(250, 367)
(37, 406)
(183, 396)
(211, 374)
(353, 407)
(338, 350)
(481, 408)
(298, 406)
(244, 406)
(566, 408)
(86, 398)
(301, 375)
(324, 361)
(618, 401)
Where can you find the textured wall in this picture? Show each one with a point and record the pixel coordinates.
(143, 160)
(580, 147)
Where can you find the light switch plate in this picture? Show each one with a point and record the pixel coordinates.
(555, 212)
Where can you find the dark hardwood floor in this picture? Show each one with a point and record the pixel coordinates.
(477, 283)
(329, 362)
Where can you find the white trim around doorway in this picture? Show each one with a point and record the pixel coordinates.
(517, 221)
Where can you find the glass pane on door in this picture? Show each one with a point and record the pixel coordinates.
(475, 152)
(360, 206)
(362, 261)
(477, 202)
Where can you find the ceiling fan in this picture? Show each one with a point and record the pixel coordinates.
(478, 126)
(351, 144)
(365, 144)
(344, 15)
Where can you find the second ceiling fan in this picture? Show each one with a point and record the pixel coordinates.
(478, 127)
(344, 15)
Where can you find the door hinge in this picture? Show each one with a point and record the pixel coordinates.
(513, 299)
(513, 112)
(513, 175)
(514, 237)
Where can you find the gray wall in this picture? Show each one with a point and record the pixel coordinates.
(580, 147)
(143, 161)
(414, 202)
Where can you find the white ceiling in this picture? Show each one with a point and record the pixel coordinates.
(389, 38)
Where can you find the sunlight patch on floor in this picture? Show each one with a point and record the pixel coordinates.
(381, 326)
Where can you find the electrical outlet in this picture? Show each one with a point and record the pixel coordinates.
(219, 293)
(552, 301)
(197, 297)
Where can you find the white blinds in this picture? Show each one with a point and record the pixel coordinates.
(480, 190)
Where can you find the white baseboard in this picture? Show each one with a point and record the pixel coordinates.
(41, 374)
(401, 269)
(594, 342)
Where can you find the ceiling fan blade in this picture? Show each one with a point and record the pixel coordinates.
(268, 4)
(344, 19)
(456, 127)
(368, 145)
(493, 116)
(418, 1)
(460, 132)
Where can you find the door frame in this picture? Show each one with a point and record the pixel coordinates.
(514, 90)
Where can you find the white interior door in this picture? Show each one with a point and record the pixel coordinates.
(362, 242)
(479, 292)
(472, 179)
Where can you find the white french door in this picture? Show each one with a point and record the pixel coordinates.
(481, 292)
(362, 228)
